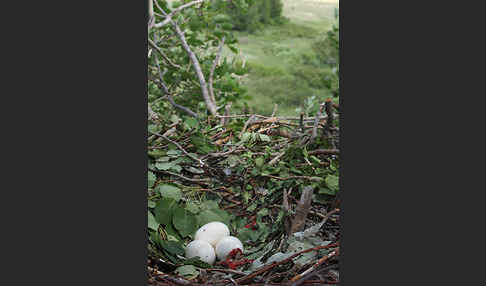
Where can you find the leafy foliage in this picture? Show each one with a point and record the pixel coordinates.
(254, 15)
(204, 28)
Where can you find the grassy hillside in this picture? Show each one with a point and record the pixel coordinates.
(277, 74)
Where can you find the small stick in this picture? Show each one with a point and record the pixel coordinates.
(275, 160)
(321, 261)
(327, 131)
(272, 265)
(315, 179)
(246, 125)
(180, 147)
(285, 203)
(324, 152)
(275, 108)
(302, 122)
(182, 177)
(226, 270)
(176, 280)
(316, 123)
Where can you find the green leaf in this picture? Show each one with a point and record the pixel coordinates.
(233, 49)
(332, 182)
(168, 191)
(163, 159)
(197, 262)
(151, 179)
(185, 222)
(259, 162)
(248, 234)
(188, 271)
(245, 137)
(191, 123)
(192, 207)
(163, 210)
(213, 215)
(174, 118)
(173, 152)
(252, 207)
(171, 231)
(156, 153)
(152, 224)
(315, 159)
(246, 197)
(264, 138)
(327, 191)
(262, 212)
(173, 247)
(176, 168)
(163, 166)
(207, 205)
(304, 151)
(195, 170)
(293, 169)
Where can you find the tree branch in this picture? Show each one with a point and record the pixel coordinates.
(168, 17)
(166, 58)
(169, 97)
(211, 73)
(197, 67)
(151, 21)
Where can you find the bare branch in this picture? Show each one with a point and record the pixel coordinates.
(169, 16)
(211, 73)
(151, 114)
(275, 160)
(151, 21)
(197, 67)
(201, 163)
(169, 97)
(324, 151)
(166, 58)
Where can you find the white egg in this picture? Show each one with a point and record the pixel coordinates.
(212, 232)
(225, 245)
(202, 249)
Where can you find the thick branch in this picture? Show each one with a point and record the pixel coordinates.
(197, 67)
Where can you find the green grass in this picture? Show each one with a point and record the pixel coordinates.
(276, 76)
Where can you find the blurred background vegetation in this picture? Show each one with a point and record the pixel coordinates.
(288, 53)
(291, 52)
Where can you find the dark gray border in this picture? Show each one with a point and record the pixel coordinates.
(405, 152)
(79, 210)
